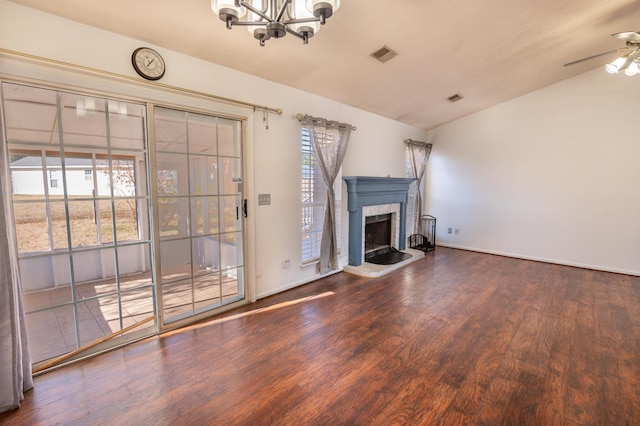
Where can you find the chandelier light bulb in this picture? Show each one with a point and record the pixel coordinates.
(323, 9)
(302, 12)
(228, 11)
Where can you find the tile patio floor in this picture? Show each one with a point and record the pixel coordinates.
(50, 313)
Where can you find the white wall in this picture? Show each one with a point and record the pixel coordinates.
(376, 148)
(552, 175)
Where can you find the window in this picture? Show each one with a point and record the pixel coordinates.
(88, 174)
(53, 183)
(314, 200)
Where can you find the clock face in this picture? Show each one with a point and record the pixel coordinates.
(148, 63)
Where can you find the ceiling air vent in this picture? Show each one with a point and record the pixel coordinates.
(384, 54)
(454, 98)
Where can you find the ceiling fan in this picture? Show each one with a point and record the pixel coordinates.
(629, 62)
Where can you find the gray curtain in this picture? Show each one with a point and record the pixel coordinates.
(15, 363)
(329, 140)
(418, 155)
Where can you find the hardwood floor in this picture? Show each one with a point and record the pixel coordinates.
(456, 338)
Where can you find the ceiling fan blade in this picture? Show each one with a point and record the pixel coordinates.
(628, 36)
(622, 49)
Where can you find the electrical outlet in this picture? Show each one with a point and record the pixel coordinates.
(449, 230)
(456, 231)
(264, 199)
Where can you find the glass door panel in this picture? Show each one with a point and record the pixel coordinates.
(81, 209)
(200, 193)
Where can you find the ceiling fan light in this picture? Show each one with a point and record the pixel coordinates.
(632, 70)
(614, 66)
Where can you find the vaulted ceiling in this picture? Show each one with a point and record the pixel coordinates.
(486, 51)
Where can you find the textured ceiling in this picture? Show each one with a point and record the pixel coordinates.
(486, 51)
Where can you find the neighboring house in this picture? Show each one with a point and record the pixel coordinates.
(28, 175)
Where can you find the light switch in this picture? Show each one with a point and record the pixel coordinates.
(264, 199)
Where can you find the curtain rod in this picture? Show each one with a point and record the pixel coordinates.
(301, 116)
(412, 142)
(137, 80)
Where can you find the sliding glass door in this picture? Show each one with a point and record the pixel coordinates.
(115, 228)
(199, 184)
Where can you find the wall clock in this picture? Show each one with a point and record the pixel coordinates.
(148, 63)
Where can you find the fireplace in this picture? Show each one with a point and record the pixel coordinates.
(376, 197)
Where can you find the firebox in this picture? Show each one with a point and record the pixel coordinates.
(377, 230)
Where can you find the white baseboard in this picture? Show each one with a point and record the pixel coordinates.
(295, 284)
(542, 259)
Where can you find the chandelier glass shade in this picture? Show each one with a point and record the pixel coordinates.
(267, 19)
(629, 63)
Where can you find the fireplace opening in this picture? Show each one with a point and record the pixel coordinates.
(377, 233)
(378, 247)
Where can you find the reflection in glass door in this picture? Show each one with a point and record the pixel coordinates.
(199, 190)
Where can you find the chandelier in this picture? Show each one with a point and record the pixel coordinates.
(267, 19)
(629, 63)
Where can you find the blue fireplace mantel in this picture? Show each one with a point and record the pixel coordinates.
(370, 191)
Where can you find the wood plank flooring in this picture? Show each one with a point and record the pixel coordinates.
(456, 338)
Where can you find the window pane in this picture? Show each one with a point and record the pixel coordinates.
(204, 172)
(75, 166)
(172, 216)
(121, 177)
(30, 114)
(171, 176)
(229, 138)
(207, 291)
(137, 305)
(230, 169)
(231, 217)
(204, 212)
(175, 259)
(84, 121)
(106, 221)
(31, 225)
(82, 219)
(202, 134)
(177, 298)
(126, 219)
(58, 223)
(205, 252)
(126, 125)
(171, 130)
(230, 251)
(26, 173)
